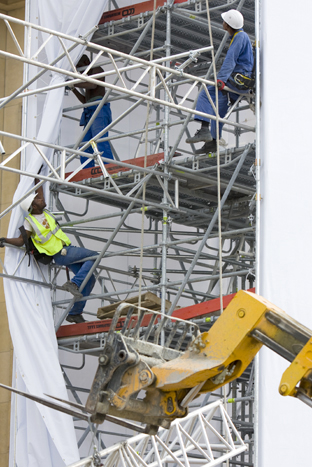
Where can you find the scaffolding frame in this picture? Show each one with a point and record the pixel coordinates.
(179, 190)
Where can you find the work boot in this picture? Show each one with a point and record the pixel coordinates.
(201, 135)
(72, 288)
(208, 147)
(75, 319)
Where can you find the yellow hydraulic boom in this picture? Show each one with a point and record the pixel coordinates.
(142, 381)
(213, 359)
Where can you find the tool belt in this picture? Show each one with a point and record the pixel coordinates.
(242, 82)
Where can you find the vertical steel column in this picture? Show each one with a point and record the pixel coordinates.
(156, 242)
(166, 154)
(236, 130)
(258, 206)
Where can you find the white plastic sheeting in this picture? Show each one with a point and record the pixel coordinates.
(286, 223)
(41, 436)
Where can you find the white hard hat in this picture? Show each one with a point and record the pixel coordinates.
(26, 203)
(233, 18)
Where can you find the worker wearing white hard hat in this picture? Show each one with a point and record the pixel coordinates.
(239, 60)
(27, 202)
(233, 18)
(49, 240)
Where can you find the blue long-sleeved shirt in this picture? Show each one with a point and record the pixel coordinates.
(239, 58)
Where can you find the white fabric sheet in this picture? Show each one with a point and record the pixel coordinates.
(286, 224)
(42, 436)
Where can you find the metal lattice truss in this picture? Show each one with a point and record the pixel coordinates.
(166, 196)
(153, 69)
(193, 440)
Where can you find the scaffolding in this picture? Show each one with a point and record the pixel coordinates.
(163, 220)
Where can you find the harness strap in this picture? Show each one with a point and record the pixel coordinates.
(26, 242)
(233, 37)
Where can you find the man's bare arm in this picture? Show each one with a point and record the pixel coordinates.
(87, 85)
(39, 190)
(18, 241)
(84, 85)
(79, 96)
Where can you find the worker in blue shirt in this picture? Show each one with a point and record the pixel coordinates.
(239, 59)
(93, 93)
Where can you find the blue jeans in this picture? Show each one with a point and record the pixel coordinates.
(80, 270)
(103, 119)
(203, 105)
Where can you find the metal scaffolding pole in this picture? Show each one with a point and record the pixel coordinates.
(180, 260)
(211, 225)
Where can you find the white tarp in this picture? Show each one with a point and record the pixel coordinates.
(41, 436)
(286, 225)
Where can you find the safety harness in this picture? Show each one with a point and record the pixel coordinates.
(36, 245)
(240, 81)
(31, 250)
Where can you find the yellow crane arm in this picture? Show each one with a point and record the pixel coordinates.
(212, 360)
(222, 354)
(130, 383)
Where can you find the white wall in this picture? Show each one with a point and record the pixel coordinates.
(286, 225)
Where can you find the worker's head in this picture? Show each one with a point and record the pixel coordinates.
(83, 61)
(232, 19)
(26, 204)
(33, 204)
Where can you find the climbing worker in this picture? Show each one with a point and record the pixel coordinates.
(93, 93)
(239, 61)
(48, 238)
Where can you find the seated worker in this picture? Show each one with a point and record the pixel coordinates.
(239, 59)
(48, 238)
(93, 93)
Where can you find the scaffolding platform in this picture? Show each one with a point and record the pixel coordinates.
(192, 187)
(113, 168)
(149, 332)
(121, 28)
(201, 310)
(132, 10)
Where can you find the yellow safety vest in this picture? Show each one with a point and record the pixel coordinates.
(48, 240)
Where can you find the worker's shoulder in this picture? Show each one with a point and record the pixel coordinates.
(241, 36)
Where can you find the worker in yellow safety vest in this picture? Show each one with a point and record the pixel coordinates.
(48, 238)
